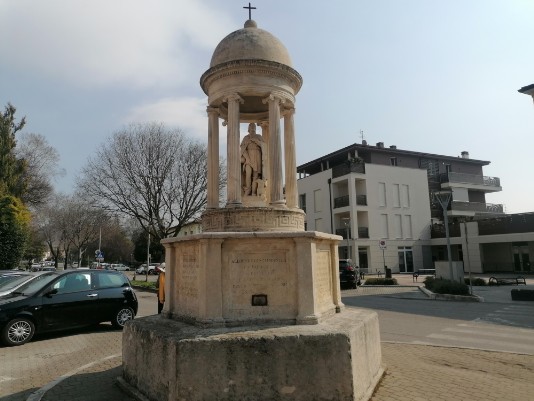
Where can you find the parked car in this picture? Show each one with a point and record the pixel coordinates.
(120, 267)
(65, 300)
(10, 282)
(43, 268)
(349, 276)
(143, 270)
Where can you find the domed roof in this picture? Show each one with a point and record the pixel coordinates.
(249, 43)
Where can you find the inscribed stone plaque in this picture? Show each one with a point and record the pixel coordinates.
(253, 273)
(323, 278)
(188, 279)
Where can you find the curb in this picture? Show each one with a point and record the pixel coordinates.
(449, 297)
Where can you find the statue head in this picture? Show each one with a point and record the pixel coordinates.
(252, 128)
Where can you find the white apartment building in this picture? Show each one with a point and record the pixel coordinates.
(382, 202)
(381, 211)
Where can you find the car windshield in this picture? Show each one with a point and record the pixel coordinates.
(343, 264)
(9, 282)
(35, 285)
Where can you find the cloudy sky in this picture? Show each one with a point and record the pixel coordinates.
(431, 76)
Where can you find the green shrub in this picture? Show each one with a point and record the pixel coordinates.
(151, 285)
(476, 281)
(441, 286)
(380, 281)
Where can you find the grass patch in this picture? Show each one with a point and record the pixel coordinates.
(380, 281)
(441, 286)
(151, 285)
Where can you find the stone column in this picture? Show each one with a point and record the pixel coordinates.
(213, 158)
(275, 184)
(290, 158)
(265, 157)
(233, 152)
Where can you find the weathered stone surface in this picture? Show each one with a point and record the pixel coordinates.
(213, 279)
(339, 359)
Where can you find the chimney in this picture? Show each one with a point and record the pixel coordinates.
(465, 155)
(393, 147)
(380, 145)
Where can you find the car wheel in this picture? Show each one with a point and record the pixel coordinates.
(122, 316)
(18, 331)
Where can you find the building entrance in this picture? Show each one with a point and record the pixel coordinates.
(521, 257)
(405, 259)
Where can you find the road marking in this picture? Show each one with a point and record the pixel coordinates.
(38, 394)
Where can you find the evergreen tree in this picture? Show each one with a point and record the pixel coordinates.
(11, 169)
(14, 231)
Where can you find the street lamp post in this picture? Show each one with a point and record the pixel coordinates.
(444, 199)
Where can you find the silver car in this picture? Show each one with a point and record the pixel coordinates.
(11, 281)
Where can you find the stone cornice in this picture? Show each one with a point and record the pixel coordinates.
(264, 67)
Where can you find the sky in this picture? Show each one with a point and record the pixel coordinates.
(429, 76)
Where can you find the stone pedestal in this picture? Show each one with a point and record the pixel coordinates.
(337, 359)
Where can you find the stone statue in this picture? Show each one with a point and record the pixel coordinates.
(252, 161)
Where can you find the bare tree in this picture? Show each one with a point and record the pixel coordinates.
(53, 226)
(151, 173)
(41, 161)
(83, 224)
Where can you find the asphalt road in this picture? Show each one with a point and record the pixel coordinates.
(411, 318)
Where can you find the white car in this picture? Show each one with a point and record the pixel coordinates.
(120, 267)
(142, 269)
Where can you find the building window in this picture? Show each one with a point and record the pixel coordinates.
(405, 195)
(384, 232)
(393, 161)
(318, 204)
(396, 195)
(408, 226)
(398, 226)
(381, 194)
(302, 202)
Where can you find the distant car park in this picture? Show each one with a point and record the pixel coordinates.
(120, 267)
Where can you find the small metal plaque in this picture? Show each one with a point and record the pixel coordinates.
(259, 300)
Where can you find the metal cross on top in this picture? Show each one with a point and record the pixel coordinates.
(250, 10)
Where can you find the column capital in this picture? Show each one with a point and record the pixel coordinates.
(234, 97)
(288, 111)
(211, 110)
(274, 98)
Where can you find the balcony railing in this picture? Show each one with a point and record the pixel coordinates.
(477, 207)
(438, 230)
(361, 200)
(342, 201)
(346, 168)
(470, 179)
(508, 224)
(363, 232)
(343, 232)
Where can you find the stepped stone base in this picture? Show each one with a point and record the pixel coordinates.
(338, 359)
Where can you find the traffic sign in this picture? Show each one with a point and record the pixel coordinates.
(382, 244)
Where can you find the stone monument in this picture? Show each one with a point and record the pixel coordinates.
(253, 306)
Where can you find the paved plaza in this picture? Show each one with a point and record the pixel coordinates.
(84, 366)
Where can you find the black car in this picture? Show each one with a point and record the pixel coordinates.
(349, 276)
(65, 300)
